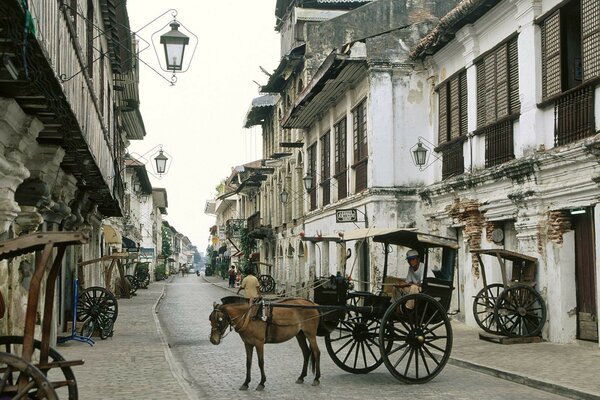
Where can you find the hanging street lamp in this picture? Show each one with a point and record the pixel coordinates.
(174, 43)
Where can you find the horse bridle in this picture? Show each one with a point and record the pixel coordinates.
(222, 322)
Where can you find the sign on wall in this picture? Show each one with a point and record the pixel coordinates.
(346, 215)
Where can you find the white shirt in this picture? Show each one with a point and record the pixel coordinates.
(415, 276)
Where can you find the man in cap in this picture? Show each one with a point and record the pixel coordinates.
(414, 278)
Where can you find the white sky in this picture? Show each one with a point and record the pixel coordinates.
(199, 120)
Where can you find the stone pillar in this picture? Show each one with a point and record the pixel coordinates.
(18, 133)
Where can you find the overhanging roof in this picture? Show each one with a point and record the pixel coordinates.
(261, 107)
(287, 66)
(142, 174)
(336, 75)
(282, 6)
(466, 12)
(159, 197)
(401, 237)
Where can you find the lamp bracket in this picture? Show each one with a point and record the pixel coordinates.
(429, 147)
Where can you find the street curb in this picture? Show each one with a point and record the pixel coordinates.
(176, 372)
(523, 380)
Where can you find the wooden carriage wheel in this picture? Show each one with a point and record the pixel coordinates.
(97, 302)
(266, 283)
(14, 369)
(61, 376)
(520, 311)
(353, 345)
(415, 343)
(483, 307)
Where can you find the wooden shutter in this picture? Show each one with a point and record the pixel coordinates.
(443, 113)
(480, 94)
(454, 109)
(590, 38)
(513, 77)
(464, 100)
(551, 55)
(501, 82)
(490, 87)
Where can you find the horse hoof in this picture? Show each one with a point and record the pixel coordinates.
(244, 387)
(316, 383)
(300, 381)
(260, 388)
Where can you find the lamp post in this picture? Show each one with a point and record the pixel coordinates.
(308, 179)
(174, 43)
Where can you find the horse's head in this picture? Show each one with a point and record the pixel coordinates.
(219, 322)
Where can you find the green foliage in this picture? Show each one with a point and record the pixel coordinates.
(160, 272)
(166, 242)
(248, 246)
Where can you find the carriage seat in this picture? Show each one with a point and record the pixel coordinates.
(388, 284)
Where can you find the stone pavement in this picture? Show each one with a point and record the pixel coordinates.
(570, 370)
(133, 364)
(137, 363)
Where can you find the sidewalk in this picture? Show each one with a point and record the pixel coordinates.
(570, 370)
(133, 364)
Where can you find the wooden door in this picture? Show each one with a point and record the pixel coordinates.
(587, 324)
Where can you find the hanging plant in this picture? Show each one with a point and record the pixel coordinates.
(248, 246)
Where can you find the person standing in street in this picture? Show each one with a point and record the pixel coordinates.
(232, 276)
(250, 285)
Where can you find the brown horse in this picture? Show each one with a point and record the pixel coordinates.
(284, 323)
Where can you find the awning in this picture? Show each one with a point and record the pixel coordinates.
(111, 235)
(129, 243)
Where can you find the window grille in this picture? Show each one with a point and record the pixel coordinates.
(499, 143)
(325, 167)
(453, 160)
(341, 166)
(574, 116)
(359, 118)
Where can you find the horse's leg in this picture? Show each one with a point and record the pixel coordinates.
(316, 358)
(301, 338)
(249, 349)
(260, 353)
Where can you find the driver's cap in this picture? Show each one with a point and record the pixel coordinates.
(412, 254)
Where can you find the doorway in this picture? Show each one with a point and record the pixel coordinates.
(585, 275)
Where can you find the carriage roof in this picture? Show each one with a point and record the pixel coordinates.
(402, 237)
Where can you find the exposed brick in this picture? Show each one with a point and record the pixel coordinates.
(559, 222)
(468, 213)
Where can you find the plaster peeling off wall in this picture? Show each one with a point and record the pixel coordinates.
(467, 212)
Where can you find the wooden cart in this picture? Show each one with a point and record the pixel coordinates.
(39, 371)
(512, 308)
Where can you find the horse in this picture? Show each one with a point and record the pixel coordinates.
(282, 324)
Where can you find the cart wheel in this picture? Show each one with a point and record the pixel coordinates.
(106, 328)
(266, 283)
(520, 311)
(353, 344)
(483, 307)
(415, 343)
(37, 385)
(87, 329)
(133, 284)
(62, 379)
(144, 281)
(95, 301)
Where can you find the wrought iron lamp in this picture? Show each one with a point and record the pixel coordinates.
(420, 153)
(308, 181)
(174, 43)
(283, 196)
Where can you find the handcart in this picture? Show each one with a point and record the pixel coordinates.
(37, 370)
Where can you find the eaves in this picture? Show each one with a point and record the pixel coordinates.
(337, 74)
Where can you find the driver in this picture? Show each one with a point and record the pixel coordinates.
(414, 278)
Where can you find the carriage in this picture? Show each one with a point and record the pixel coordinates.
(362, 330)
(412, 335)
(513, 308)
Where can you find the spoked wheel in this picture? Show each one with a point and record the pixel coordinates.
(483, 307)
(106, 328)
(144, 281)
(520, 311)
(415, 343)
(353, 344)
(62, 379)
(96, 301)
(35, 385)
(266, 283)
(133, 284)
(87, 329)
